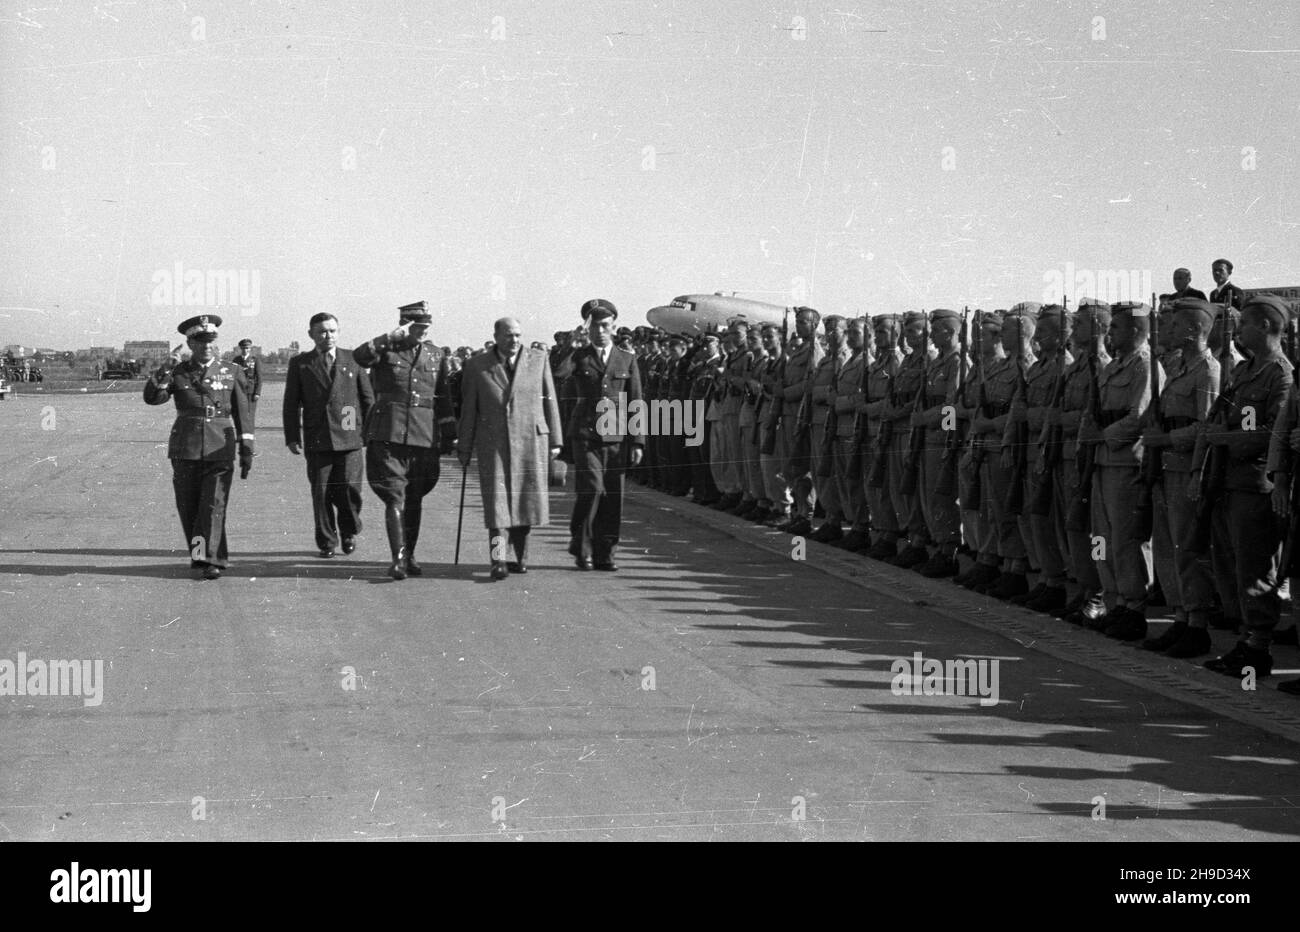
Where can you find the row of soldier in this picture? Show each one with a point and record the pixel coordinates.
(1038, 440)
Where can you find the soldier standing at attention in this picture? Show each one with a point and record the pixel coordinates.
(772, 464)
(910, 383)
(252, 376)
(1245, 525)
(733, 381)
(212, 423)
(942, 374)
(755, 504)
(1086, 603)
(846, 400)
(703, 365)
(1124, 390)
(881, 373)
(801, 361)
(821, 395)
(1191, 386)
(606, 382)
(978, 523)
(412, 422)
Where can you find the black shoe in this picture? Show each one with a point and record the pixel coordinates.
(1235, 661)
(1009, 584)
(938, 567)
(979, 575)
(609, 566)
(854, 541)
(909, 557)
(1156, 596)
(742, 507)
(1131, 626)
(777, 519)
(211, 572)
(1286, 638)
(1072, 606)
(1167, 640)
(1102, 622)
(799, 527)
(326, 554)
(582, 563)
(1089, 611)
(413, 568)
(1052, 599)
(827, 533)
(349, 544)
(517, 566)
(818, 510)
(499, 571)
(1194, 642)
(1220, 622)
(1290, 687)
(883, 549)
(398, 568)
(1028, 596)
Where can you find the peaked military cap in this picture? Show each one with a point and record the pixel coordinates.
(417, 313)
(599, 309)
(203, 328)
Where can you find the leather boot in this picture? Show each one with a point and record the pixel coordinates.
(396, 541)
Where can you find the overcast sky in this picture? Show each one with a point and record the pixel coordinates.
(519, 158)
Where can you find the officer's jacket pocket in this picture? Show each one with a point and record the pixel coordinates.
(543, 429)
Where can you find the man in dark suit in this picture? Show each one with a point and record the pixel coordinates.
(212, 422)
(412, 423)
(326, 399)
(1227, 292)
(600, 441)
(1183, 286)
(252, 375)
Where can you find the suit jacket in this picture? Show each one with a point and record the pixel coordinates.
(604, 396)
(252, 373)
(325, 410)
(511, 423)
(213, 416)
(1228, 294)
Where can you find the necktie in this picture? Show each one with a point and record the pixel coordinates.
(329, 360)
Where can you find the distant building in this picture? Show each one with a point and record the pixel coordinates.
(95, 352)
(146, 350)
(17, 350)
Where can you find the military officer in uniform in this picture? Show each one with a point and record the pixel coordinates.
(908, 384)
(252, 375)
(702, 369)
(213, 424)
(846, 401)
(942, 377)
(882, 370)
(326, 399)
(801, 361)
(598, 442)
(411, 423)
(821, 391)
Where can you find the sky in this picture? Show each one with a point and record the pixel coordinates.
(518, 158)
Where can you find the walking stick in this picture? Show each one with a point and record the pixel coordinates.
(460, 518)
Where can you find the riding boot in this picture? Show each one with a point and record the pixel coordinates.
(396, 541)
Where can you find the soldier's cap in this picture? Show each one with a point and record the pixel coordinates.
(599, 309)
(817, 315)
(885, 321)
(417, 313)
(1201, 308)
(737, 323)
(559, 335)
(246, 342)
(676, 340)
(944, 313)
(1223, 262)
(1053, 312)
(202, 328)
(1134, 309)
(1271, 305)
(991, 320)
(710, 337)
(622, 332)
(914, 317)
(770, 328)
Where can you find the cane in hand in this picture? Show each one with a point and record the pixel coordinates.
(460, 518)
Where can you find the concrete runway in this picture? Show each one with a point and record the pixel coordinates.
(517, 710)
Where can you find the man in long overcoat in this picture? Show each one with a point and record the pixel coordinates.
(510, 419)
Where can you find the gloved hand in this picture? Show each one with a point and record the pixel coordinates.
(246, 454)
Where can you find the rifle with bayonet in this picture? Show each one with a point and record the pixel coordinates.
(1152, 457)
(945, 485)
(1079, 515)
(916, 433)
(1214, 464)
(1051, 437)
(1015, 501)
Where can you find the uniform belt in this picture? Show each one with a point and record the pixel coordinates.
(209, 412)
(1176, 421)
(1106, 418)
(409, 402)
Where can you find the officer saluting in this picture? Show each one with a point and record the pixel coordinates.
(411, 423)
(605, 381)
(213, 420)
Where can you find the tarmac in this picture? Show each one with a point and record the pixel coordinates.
(717, 687)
